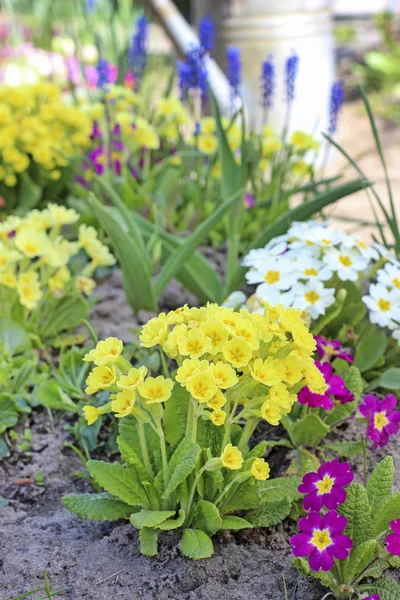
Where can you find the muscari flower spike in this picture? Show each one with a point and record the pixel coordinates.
(206, 34)
(103, 72)
(335, 104)
(234, 69)
(291, 71)
(192, 73)
(384, 419)
(267, 82)
(322, 540)
(336, 390)
(138, 48)
(329, 349)
(326, 486)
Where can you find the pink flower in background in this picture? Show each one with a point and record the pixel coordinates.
(329, 349)
(249, 200)
(393, 539)
(322, 540)
(384, 419)
(336, 390)
(326, 486)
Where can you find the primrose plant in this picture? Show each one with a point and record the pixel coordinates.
(184, 437)
(351, 533)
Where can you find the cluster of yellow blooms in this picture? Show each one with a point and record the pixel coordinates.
(234, 365)
(299, 143)
(34, 255)
(36, 126)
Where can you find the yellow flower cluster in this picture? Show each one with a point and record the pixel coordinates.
(299, 143)
(233, 364)
(37, 127)
(34, 255)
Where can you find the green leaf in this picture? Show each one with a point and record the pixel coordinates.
(66, 315)
(207, 517)
(234, 523)
(175, 415)
(345, 449)
(196, 544)
(180, 452)
(300, 213)
(169, 524)
(358, 513)
(387, 511)
(8, 413)
(150, 518)
(3, 502)
(353, 382)
(390, 379)
(131, 458)
(97, 507)
(359, 558)
(270, 513)
(370, 348)
(340, 412)
(4, 449)
(387, 589)
(183, 253)
(128, 432)
(50, 394)
(133, 260)
(308, 431)
(14, 337)
(283, 442)
(148, 541)
(183, 470)
(280, 488)
(379, 486)
(258, 451)
(119, 481)
(245, 498)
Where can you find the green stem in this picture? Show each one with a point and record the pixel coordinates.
(247, 432)
(189, 422)
(163, 452)
(192, 493)
(145, 452)
(164, 364)
(194, 420)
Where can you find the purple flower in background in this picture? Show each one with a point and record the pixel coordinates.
(267, 82)
(384, 419)
(335, 104)
(90, 5)
(329, 349)
(393, 539)
(325, 487)
(336, 390)
(249, 200)
(322, 540)
(206, 33)
(103, 72)
(291, 71)
(373, 597)
(138, 48)
(192, 73)
(234, 69)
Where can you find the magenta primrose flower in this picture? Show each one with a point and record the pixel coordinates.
(384, 419)
(373, 597)
(393, 539)
(325, 487)
(336, 390)
(322, 540)
(329, 349)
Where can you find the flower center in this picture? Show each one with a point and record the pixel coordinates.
(325, 485)
(361, 244)
(345, 260)
(330, 350)
(312, 297)
(396, 282)
(321, 539)
(272, 277)
(380, 420)
(383, 305)
(311, 272)
(326, 241)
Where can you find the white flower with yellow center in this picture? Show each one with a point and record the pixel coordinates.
(313, 297)
(279, 274)
(368, 252)
(345, 262)
(389, 276)
(311, 268)
(384, 305)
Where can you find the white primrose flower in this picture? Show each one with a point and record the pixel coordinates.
(280, 274)
(274, 296)
(367, 252)
(235, 300)
(389, 276)
(384, 306)
(386, 253)
(346, 263)
(310, 267)
(313, 297)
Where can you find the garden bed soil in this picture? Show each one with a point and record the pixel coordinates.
(99, 561)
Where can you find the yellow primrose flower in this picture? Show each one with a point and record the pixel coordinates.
(303, 339)
(207, 125)
(270, 146)
(207, 144)
(194, 343)
(238, 352)
(217, 333)
(315, 379)
(100, 378)
(106, 351)
(154, 332)
(8, 257)
(85, 285)
(218, 417)
(8, 278)
(60, 215)
(100, 254)
(31, 243)
(91, 414)
(245, 329)
(87, 235)
(156, 389)
(293, 367)
(225, 377)
(217, 401)
(232, 458)
(28, 289)
(266, 371)
(134, 378)
(202, 386)
(59, 280)
(268, 132)
(190, 367)
(260, 469)
(124, 403)
(303, 141)
(271, 413)
(300, 168)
